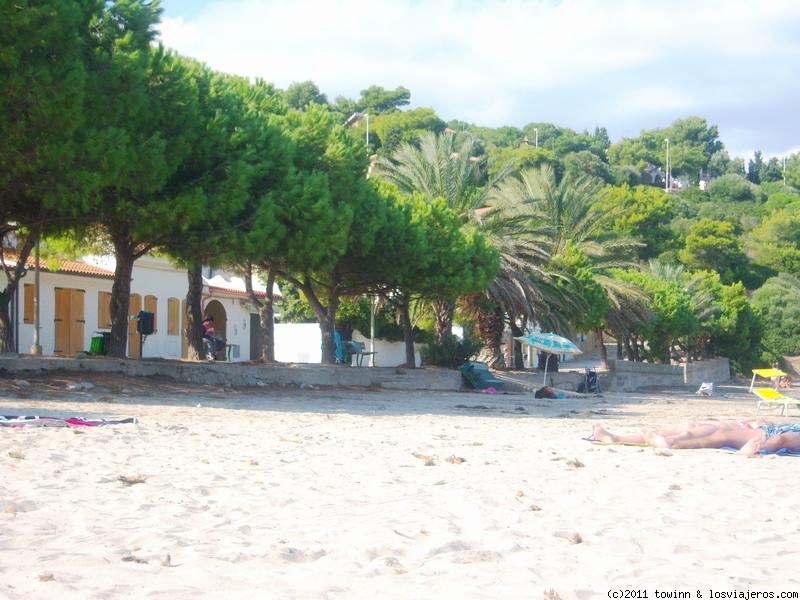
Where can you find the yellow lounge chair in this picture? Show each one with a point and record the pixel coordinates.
(771, 396)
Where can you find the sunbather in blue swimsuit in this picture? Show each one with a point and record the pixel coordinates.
(773, 429)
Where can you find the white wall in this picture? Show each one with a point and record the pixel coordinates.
(302, 343)
(389, 354)
(47, 310)
(298, 343)
(151, 276)
(157, 277)
(237, 330)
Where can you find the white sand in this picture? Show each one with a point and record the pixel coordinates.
(326, 494)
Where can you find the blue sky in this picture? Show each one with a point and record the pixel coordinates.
(624, 65)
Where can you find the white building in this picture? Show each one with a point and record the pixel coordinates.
(74, 308)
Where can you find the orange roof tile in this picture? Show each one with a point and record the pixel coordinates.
(64, 266)
(234, 293)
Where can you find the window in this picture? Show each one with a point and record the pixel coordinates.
(30, 291)
(151, 305)
(173, 306)
(104, 310)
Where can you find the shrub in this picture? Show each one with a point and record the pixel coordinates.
(451, 352)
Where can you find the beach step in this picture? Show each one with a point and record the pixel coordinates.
(445, 380)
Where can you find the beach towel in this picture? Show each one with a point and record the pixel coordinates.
(44, 421)
(602, 443)
(781, 452)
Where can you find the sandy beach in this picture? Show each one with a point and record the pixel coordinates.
(332, 493)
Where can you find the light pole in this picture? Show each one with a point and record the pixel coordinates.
(667, 187)
(374, 299)
(536, 137)
(36, 348)
(784, 170)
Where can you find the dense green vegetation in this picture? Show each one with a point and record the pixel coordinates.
(108, 139)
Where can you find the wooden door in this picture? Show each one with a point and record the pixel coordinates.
(133, 334)
(69, 321)
(61, 321)
(76, 322)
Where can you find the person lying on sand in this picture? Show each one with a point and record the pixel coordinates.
(747, 437)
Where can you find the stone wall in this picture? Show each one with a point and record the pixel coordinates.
(626, 376)
(243, 374)
(792, 365)
(715, 370)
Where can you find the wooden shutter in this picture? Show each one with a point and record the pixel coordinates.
(104, 310)
(173, 321)
(61, 321)
(133, 335)
(184, 339)
(28, 309)
(151, 305)
(76, 321)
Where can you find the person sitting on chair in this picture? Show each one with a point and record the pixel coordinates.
(210, 338)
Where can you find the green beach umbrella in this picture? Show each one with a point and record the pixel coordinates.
(550, 342)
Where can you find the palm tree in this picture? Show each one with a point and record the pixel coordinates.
(439, 166)
(446, 166)
(705, 309)
(576, 227)
(525, 287)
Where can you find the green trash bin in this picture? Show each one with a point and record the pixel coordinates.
(98, 345)
(101, 340)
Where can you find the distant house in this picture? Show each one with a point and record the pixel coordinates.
(75, 298)
(679, 182)
(653, 175)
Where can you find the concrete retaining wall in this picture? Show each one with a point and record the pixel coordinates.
(243, 374)
(625, 376)
(793, 365)
(622, 376)
(715, 370)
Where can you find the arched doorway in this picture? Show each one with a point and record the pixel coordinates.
(216, 311)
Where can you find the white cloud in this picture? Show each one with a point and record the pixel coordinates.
(490, 60)
(654, 97)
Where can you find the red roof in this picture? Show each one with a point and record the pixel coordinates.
(221, 291)
(64, 266)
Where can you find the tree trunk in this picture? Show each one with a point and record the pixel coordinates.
(6, 326)
(443, 318)
(13, 276)
(194, 313)
(408, 330)
(629, 348)
(266, 310)
(517, 361)
(267, 318)
(490, 328)
(326, 317)
(120, 295)
(620, 356)
(603, 351)
(637, 356)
